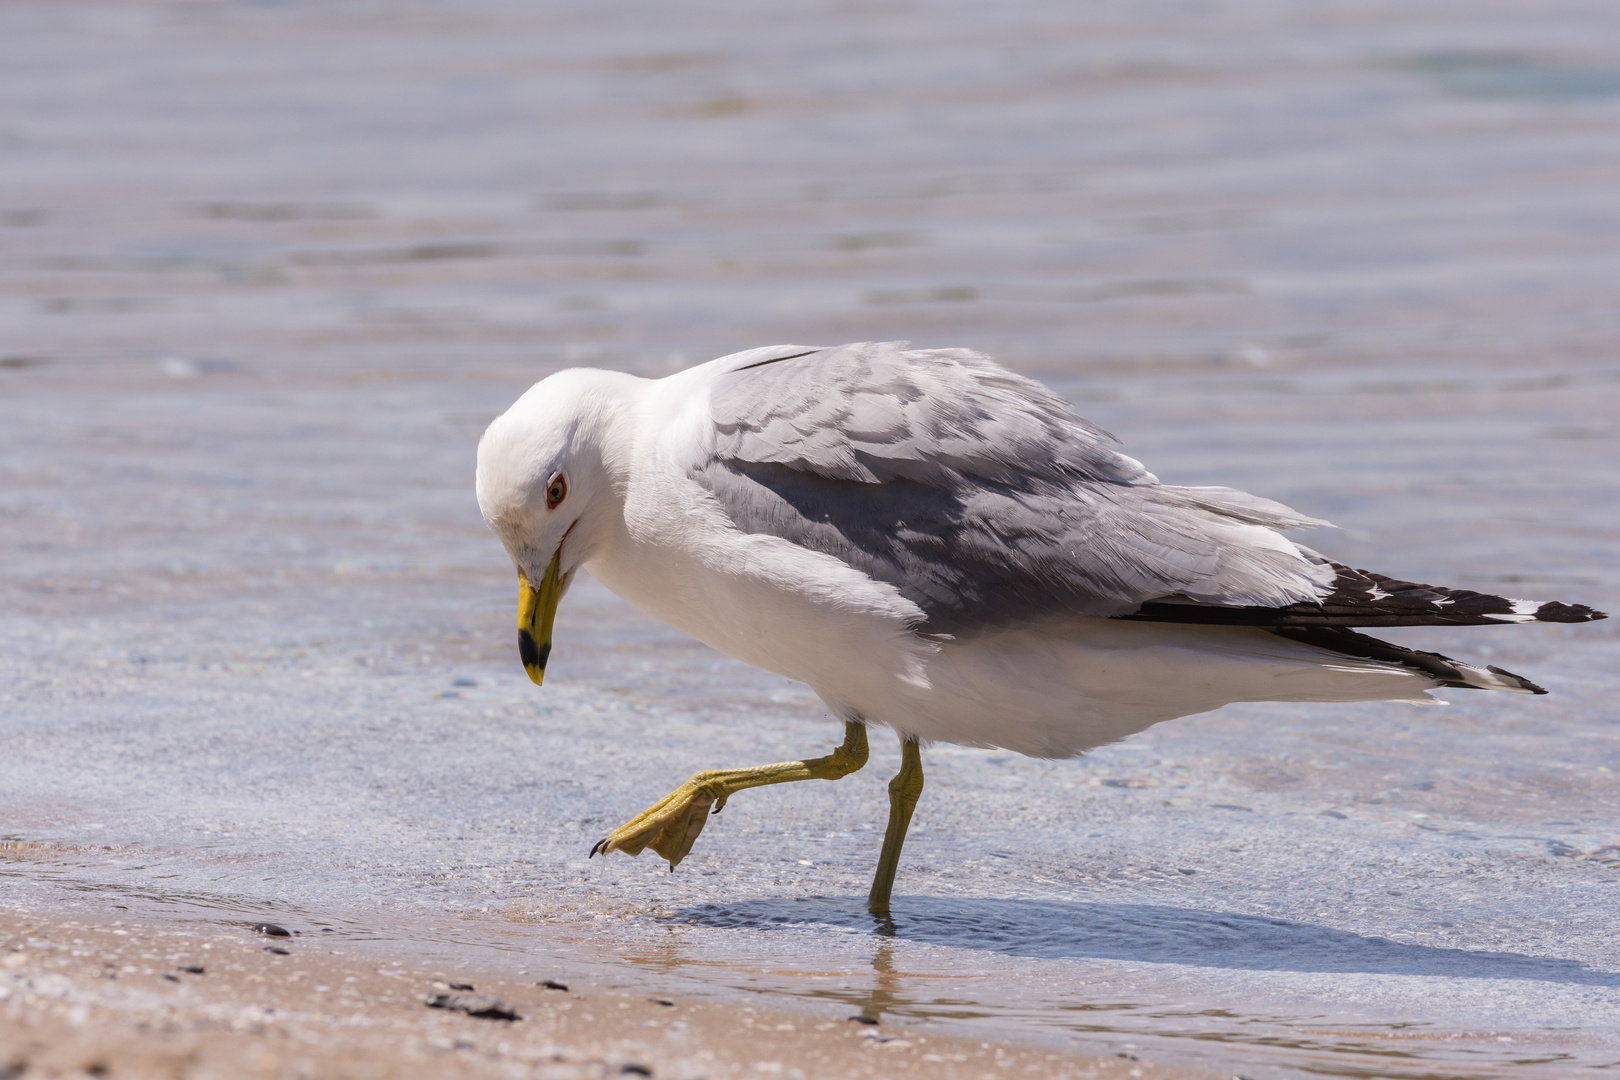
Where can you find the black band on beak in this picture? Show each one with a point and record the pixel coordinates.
(531, 656)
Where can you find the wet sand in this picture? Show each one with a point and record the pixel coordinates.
(137, 1000)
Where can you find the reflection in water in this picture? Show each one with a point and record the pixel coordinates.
(885, 992)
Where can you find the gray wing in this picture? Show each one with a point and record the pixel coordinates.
(978, 493)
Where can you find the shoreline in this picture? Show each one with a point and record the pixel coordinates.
(135, 998)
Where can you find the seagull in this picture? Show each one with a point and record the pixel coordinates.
(934, 543)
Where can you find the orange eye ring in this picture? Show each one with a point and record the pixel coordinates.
(556, 491)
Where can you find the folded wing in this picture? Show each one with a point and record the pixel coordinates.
(978, 493)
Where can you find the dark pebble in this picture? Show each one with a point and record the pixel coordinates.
(660, 1001)
(191, 969)
(864, 1019)
(462, 986)
(484, 1008)
(171, 978)
(327, 930)
(552, 984)
(277, 949)
(634, 1070)
(270, 929)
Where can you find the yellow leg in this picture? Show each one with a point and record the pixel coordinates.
(904, 790)
(671, 826)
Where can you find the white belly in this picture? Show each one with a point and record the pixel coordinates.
(777, 609)
(1054, 691)
(1060, 690)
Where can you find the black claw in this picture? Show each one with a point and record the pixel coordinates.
(596, 847)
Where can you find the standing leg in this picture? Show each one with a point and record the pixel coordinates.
(904, 789)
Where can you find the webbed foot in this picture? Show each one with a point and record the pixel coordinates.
(670, 827)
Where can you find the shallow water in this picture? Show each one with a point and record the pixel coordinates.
(267, 269)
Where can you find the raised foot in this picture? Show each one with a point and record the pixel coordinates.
(670, 827)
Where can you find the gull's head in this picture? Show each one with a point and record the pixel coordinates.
(544, 489)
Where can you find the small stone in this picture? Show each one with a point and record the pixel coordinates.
(660, 1001)
(552, 984)
(270, 929)
(864, 1019)
(462, 986)
(278, 950)
(191, 969)
(477, 1005)
(632, 1069)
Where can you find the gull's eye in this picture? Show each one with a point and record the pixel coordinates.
(556, 492)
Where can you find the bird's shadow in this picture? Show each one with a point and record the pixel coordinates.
(1146, 933)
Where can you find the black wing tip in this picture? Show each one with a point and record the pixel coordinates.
(1554, 611)
(1363, 598)
(1445, 671)
(1524, 683)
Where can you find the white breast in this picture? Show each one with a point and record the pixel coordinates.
(760, 598)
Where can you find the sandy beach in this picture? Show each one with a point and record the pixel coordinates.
(127, 999)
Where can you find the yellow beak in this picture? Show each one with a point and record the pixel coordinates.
(537, 610)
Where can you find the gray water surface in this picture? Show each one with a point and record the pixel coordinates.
(266, 270)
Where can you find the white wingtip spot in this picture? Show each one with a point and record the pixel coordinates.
(1490, 680)
(1523, 611)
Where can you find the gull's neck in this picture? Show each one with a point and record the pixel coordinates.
(609, 420)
